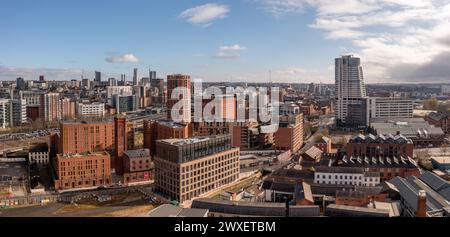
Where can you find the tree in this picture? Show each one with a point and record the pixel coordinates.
(431, 104)
(423, 156)
(444, 149)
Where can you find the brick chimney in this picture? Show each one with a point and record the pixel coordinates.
(422, 204)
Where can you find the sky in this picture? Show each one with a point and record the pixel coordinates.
(233, 40)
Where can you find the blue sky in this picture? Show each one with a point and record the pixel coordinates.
(218, 41)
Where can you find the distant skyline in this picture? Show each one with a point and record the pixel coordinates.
(234, 41)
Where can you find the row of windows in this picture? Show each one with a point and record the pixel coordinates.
(345, 177)
(348, 183)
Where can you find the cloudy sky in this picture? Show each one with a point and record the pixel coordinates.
(237, 40)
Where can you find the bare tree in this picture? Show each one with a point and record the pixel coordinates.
(444, 149)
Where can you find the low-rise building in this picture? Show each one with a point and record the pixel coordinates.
(324, 144)
(439, 119)
(380, 146)
(387, 167)
(87, 170)
(360, 196)
(420, 197)
(441, 163)
(138, 166)
(417, 129)
(346, 175)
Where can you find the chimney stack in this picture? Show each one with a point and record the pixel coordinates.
(422, 204)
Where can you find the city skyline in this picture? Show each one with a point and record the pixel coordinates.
(397, 41)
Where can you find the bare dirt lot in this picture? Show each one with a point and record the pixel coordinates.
(124, 206)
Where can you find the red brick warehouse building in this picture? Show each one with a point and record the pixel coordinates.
(82, 170)
(79, 137)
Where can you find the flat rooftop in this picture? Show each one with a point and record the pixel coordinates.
(187, 141)
(171, 124)
(140, 153)
(87, 122)
(78, 155)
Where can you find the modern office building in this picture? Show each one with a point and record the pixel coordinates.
(125, 104)
(87, 170)
(187, 168)
(123, 80)
(98, 77)
(20, 84)
(183, 83)
(381, 107)
(135, 77)
(350, 92)
(152, 74)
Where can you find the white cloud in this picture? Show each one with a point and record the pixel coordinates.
(125, 58)
(224, 55)
(386, 34)
(204, 15)
(224, 51)
(234, 47)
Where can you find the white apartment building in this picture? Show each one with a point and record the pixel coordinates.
(91, 110)
(346, 176)
(5, 113)
(390, 107)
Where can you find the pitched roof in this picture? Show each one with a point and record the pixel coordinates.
(437, 116)
(434, 181)
(387, 138)
(314, 152)
(409, 189)
(303, 191)
(382, 162)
